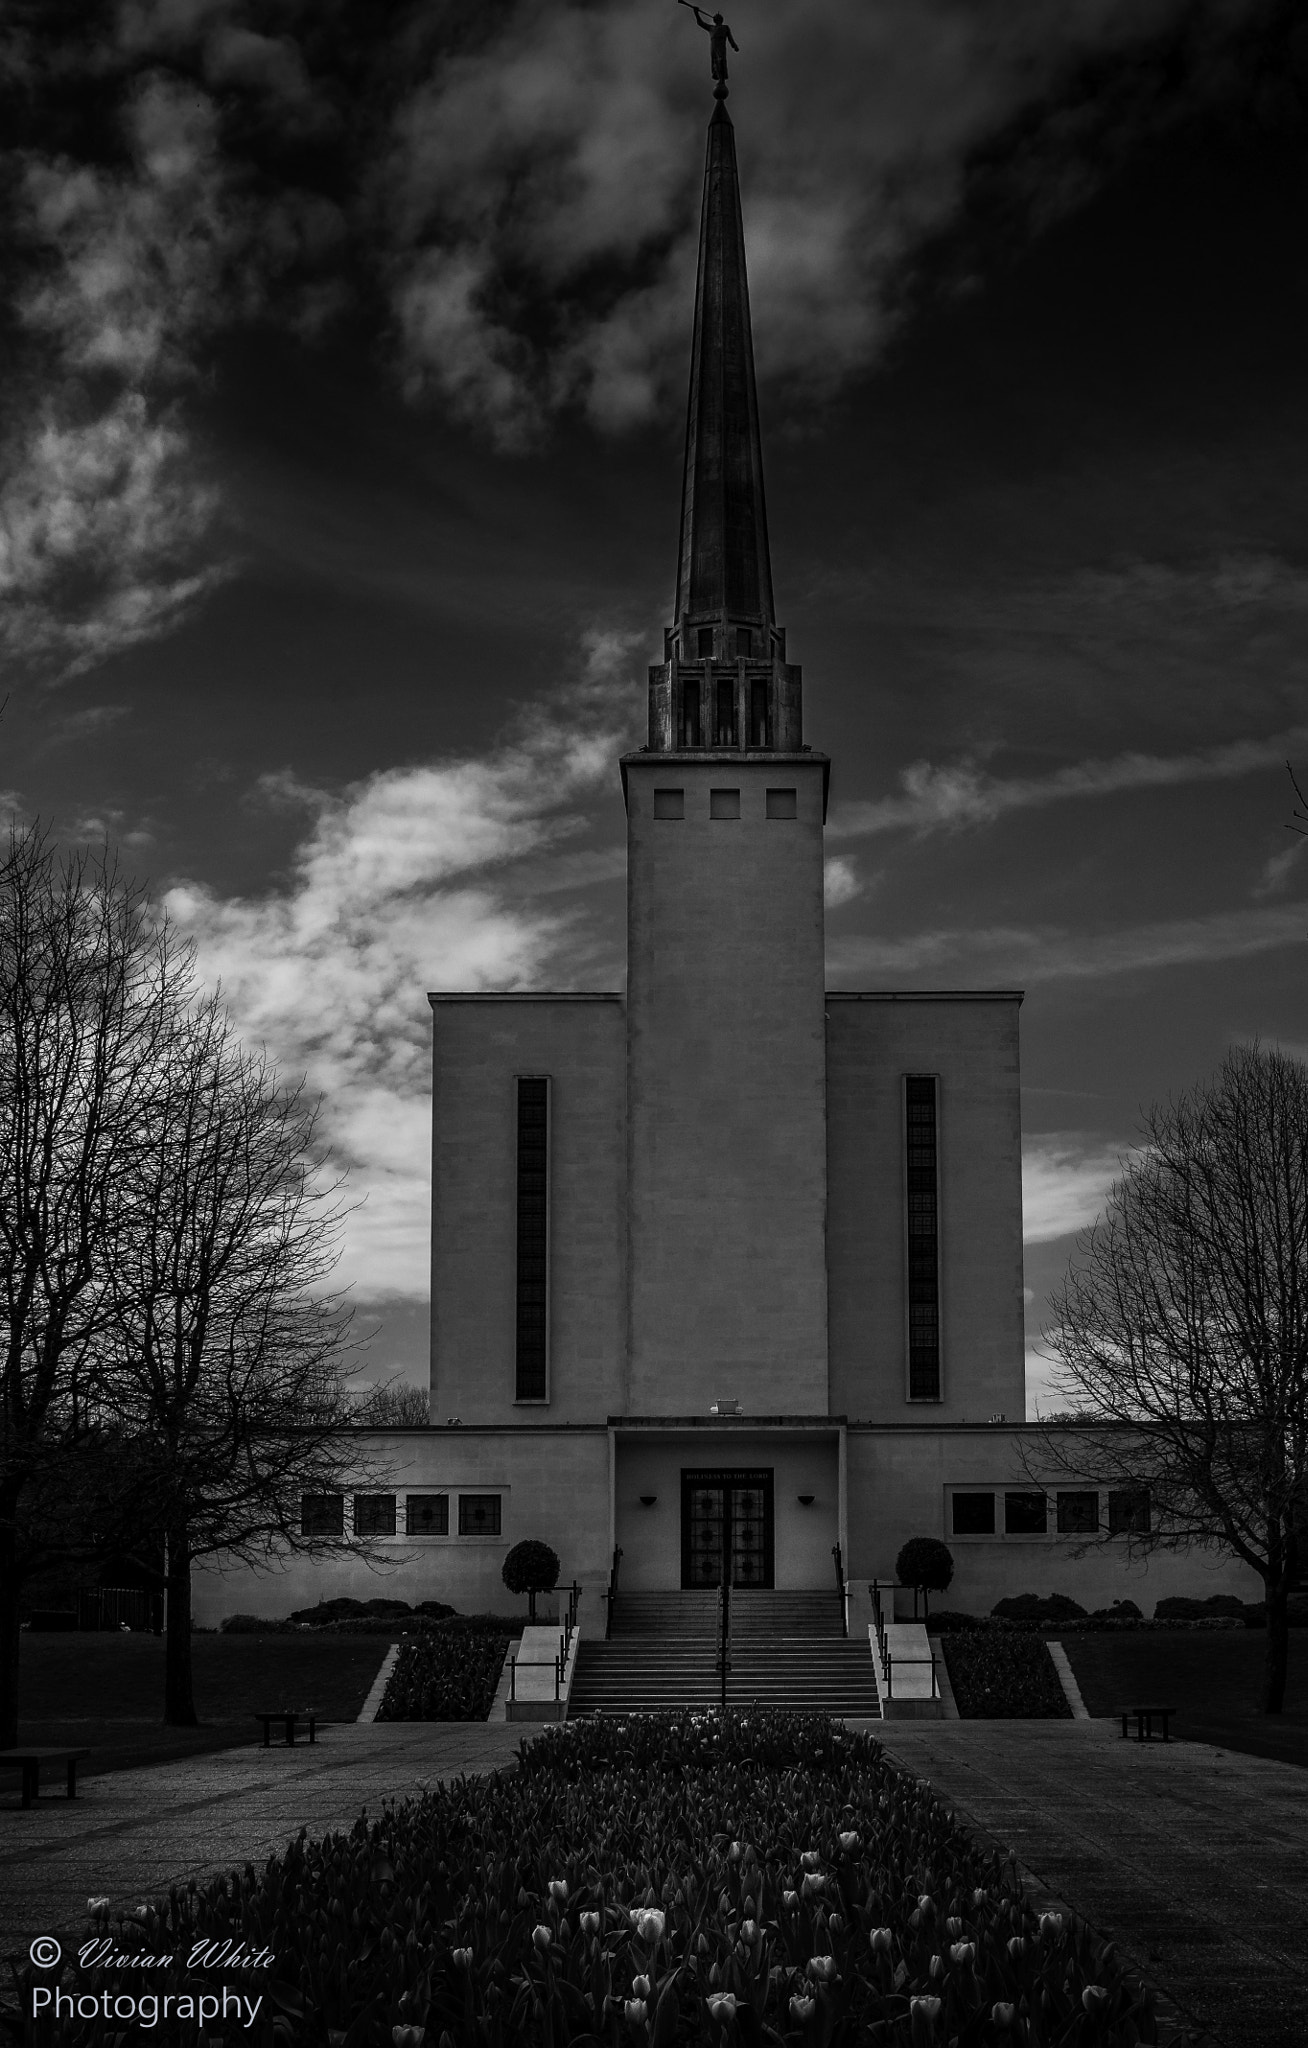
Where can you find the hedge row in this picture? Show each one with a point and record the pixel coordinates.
(753, 1878)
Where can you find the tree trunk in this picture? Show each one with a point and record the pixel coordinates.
(10, 1638)
(179, 1696)
(1278, 1647)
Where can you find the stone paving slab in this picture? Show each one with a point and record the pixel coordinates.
(1193, 1860)
(131, 1833)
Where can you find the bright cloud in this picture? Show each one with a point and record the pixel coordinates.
(1065, 1181)
(412, 881)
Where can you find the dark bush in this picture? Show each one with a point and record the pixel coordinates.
(791, 1873)
(1004, 1674)
(345, 1609)
(1121, 1610)
(254, 1625)
(1039, 1607)
(947, 1621)
(927, 1565)
(531, 1567)
(1178, 1607)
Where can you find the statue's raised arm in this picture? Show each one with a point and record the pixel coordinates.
(719, 35)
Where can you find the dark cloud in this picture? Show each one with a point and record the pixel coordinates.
(504, 197)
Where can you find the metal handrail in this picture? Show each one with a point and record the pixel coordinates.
(724, 1637)
(888, 1664)
(840, 1590)
(612, 1595)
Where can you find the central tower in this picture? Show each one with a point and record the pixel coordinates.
(726, 1080)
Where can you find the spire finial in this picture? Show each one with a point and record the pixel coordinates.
(719, 35)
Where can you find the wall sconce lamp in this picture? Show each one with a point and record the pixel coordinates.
(647, 1500)
(806, 1500)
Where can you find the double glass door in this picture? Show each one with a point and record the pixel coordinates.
(726, 1528)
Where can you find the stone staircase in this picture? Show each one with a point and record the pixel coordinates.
(787, 1650)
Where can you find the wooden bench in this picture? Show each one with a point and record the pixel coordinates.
(290, 1719)
(1144, 1718)
(29, 1762)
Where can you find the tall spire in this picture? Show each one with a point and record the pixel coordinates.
(724, 574)
(724, 681)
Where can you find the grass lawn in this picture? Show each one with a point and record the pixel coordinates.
(1213, 1678)
(105, 1692)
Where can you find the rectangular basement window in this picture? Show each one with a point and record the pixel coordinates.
(1026, 1514)
(374, 1514)
(669, 803)
(322, 1514)
(724, 803)
(427, 1514)
(479, 1514)
(1078, 1514)
(781, 803)
(974, 1514)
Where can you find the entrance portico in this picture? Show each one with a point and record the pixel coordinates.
(762, 1496)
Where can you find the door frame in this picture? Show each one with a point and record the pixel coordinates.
(729, 1477)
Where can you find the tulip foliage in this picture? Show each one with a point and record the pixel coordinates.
(444, 1674)
(752, 1878)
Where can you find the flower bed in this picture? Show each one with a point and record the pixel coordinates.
(1004, 1673)
(751, 1878)
(445, 1674)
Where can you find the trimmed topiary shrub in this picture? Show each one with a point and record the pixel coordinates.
(927, 1565)
(1039, 1607)
(531, 1567)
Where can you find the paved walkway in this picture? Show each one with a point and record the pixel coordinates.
(1192, 1859)
(133, 1833)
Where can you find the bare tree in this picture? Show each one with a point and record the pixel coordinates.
(1182, 1330)
(88, 986)
(227, 1342)
(395, 1404)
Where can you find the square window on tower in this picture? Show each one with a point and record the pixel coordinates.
(724, 803)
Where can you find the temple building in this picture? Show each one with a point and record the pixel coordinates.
(726, 1266)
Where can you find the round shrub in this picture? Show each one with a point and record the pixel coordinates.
(531, 1567)
(927, 1565)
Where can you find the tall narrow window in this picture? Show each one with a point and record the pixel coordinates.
(922, 1195)
(758, 712)
(532, 1381)
(724, 722)
(690, 713)
(744, 643)
(704, 641)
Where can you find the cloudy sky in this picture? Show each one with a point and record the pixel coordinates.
(344, 355)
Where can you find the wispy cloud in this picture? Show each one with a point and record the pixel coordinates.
(1008, 955)
(446, 875)
(953, 796)
(1066, 1176)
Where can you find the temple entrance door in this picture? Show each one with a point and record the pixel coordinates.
(726, 1521)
